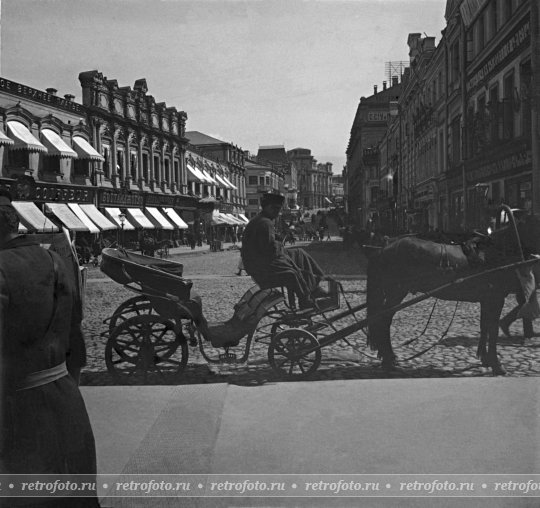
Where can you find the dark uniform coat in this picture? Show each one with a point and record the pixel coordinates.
(43, 429)
(270, 264)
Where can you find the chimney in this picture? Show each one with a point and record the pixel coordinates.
(394, 80)
(384, 85)
(69, 97)
(374, 89)
(51, 91)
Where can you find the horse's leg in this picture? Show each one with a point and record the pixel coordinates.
(494, 306)
(481, 352)
(386, 353)
(378, 322)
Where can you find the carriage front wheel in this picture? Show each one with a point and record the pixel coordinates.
(148, 348)
(294, 353)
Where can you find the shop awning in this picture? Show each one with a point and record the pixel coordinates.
(175, 218)
(4, 140)
(66, 216)
(157, 218)
(228, 182)
(56, 145)
(195, 175)
(85, 150)
(243, 217)
(24, 140)
(233, 219)
(98, 218)
(76, 209)
(208, 177)
(32, 217)
(218, 219)
(22, 228)
(328, 201)
(221, 182)
(138, 218)
(113, 214)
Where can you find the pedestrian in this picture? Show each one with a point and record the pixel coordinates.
(44, 425)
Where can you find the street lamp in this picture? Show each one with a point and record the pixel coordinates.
(122, 219)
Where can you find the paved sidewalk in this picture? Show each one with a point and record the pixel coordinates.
(421, 426)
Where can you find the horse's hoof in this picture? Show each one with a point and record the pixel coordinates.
(498, 370)
(389, 364)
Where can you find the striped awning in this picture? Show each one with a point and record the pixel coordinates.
(77, 210)
(4, 140)
(208, 177)
(157, 218)
(85, 150)
(114, 215)
(222, 183)
(23, 138)
(56, 145)
(67, 217)
(243, 218)
(195, 175)
(138, 218)
(32, 217)
(98, 218)
(228, 182)
(175, 218)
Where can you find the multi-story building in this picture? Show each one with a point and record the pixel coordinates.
(277, 156)
(337, 192)
(118, 151)
(262, 176)
(369, 127)
(498, 158)
(230, 156)
(142, 143)
(459, 140)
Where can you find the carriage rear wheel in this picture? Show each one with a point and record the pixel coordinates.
(136, 306)
(149, 346)
(289, 354)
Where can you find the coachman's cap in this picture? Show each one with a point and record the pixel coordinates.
(271, 198)
(5, 197)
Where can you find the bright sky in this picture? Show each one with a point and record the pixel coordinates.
(252, 72)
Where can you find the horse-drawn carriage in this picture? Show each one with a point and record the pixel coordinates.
(151, 332)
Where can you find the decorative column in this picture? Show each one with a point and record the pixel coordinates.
(115, 177)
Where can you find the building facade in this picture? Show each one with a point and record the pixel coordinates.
(231, 159)
(363, 153)
(458, 141)
(262, 176)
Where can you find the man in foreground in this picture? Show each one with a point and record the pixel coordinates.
(44, 424)
(270, 264)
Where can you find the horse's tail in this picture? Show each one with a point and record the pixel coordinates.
(374, 298)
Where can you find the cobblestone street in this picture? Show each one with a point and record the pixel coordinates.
(214, 278)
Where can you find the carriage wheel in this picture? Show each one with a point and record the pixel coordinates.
(147, 345)
(136, 306)
(285, 354)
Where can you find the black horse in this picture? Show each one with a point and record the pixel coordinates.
(412, 265)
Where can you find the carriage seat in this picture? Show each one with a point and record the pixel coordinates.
(249, 310)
